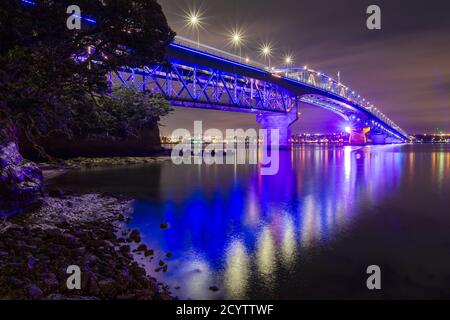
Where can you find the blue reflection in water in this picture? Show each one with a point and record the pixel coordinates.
(306, 232)
(235, 229)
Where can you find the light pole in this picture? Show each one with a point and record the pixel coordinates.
(236, 38)
(266, 51)
(194, 21)
(288, 61)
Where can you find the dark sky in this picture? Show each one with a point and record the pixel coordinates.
(403, 69)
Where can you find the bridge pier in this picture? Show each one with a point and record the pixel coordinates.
(358, 136)
(378, 138)
(280, 121)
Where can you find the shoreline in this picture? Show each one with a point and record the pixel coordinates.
(89, 231)
(51, 171)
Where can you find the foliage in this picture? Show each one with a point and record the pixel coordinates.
(46, 75)
(122, 114)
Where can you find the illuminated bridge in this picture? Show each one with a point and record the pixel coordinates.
(199, 76)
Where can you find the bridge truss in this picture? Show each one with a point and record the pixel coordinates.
(192, 86)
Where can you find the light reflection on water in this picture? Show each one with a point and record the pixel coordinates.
(257, 236)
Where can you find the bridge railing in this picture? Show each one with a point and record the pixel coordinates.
(305, 75)
(220, 53)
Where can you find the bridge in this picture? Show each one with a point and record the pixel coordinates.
(200, 76)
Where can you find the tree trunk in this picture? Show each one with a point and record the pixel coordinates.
(21, 181)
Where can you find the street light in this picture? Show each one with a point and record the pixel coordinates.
(288, 60)
(236, 40)
(194, 20)
(266, 51)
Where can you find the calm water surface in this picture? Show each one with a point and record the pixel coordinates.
(308, 232)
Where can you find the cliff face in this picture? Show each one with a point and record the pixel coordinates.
(146, 142)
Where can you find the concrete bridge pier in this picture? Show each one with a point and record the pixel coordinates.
(358, 136)
(280, 121)
(378, 138)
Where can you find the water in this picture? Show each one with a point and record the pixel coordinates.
(308, 232)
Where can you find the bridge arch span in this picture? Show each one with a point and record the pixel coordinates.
(198, 79)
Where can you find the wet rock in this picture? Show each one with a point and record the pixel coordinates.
(164, 225)
(37, 248)
(141, 248)
(125, 249)
(135, 236)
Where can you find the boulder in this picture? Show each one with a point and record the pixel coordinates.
(21, 181)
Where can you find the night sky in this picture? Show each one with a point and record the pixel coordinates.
(403, 69)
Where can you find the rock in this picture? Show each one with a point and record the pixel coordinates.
(148, 253)
(21, 181)
(31, 262)
(164, 225)
(168, 254)
(38, 247)
(51, 281)
(135, 236)
(34, 292)
(213, 288)
(141, 247)
(107, 287)
(125, 249)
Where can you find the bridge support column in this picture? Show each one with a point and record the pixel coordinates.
(378, 138)
(280, 121)
(358, 136)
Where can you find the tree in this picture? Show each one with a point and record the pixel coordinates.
(48, 71)
(43, 62)
(121, 115)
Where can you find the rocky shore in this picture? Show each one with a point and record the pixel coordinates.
(82, 163)
(88, 231)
